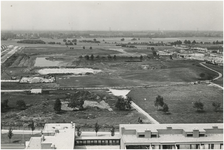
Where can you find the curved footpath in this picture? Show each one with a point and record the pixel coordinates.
(220, 75)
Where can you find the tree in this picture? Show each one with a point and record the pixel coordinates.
(21, 104)
(165, 108)
(109, 57)
(96, 128)
(140, 120)
(57, 105)
(4, 105)
(83, 47)
(141, 57)
(10, 134)
(217, 106)
(112, 131)
(194, 42)
(87, 57)
(202, 75)
(92, 57)
(123, 104)
(32, 126)
(64, 40)
(159, 101)
(122, 39)
(115, 57)
(171, 57)
(199, 106)
(74, 40)
(90, 48)
(154, 53)
(78, 129)
(77, 100)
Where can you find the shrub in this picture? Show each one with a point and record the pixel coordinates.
(123, 104)
(217, 106)
(199, 106)
(159, 102)
(57, 105)
(96, 127)
(10, 134)
(21, 104)
(165, 108)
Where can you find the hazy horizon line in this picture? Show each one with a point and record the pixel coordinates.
(107, 30)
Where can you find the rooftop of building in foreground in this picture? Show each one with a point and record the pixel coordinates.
(62, 136)
(54, 136)
(171, 133)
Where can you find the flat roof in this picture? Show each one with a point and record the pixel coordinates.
(185, 127)
(63, 138)
(171, 138)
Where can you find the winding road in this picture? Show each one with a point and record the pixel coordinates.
(220, 75)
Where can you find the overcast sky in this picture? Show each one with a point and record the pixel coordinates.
(115, 15)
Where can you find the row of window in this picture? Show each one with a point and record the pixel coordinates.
(184, 146)
(97, 142)
(152, 136)
(155, 136)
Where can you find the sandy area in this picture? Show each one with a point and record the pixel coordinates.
(67, 71)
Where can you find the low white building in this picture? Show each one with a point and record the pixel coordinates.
(171, 136)
(132, 136)
(54, 136)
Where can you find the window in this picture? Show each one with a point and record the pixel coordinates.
(189, 135)
(117, 141)
(88, 142)
(153, 136)
(210, 146)
(95, 142)
(99, 142)
(201, 135)
(141, 136)
(106, 142)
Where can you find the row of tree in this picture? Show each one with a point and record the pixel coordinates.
(92, 57)
(199, 106)
(20, 104)
(114, 57)
(96, 129)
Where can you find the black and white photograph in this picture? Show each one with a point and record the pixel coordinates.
(111, 74)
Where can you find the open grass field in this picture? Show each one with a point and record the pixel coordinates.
(114, 73)
(120, 72)
(179, 99)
